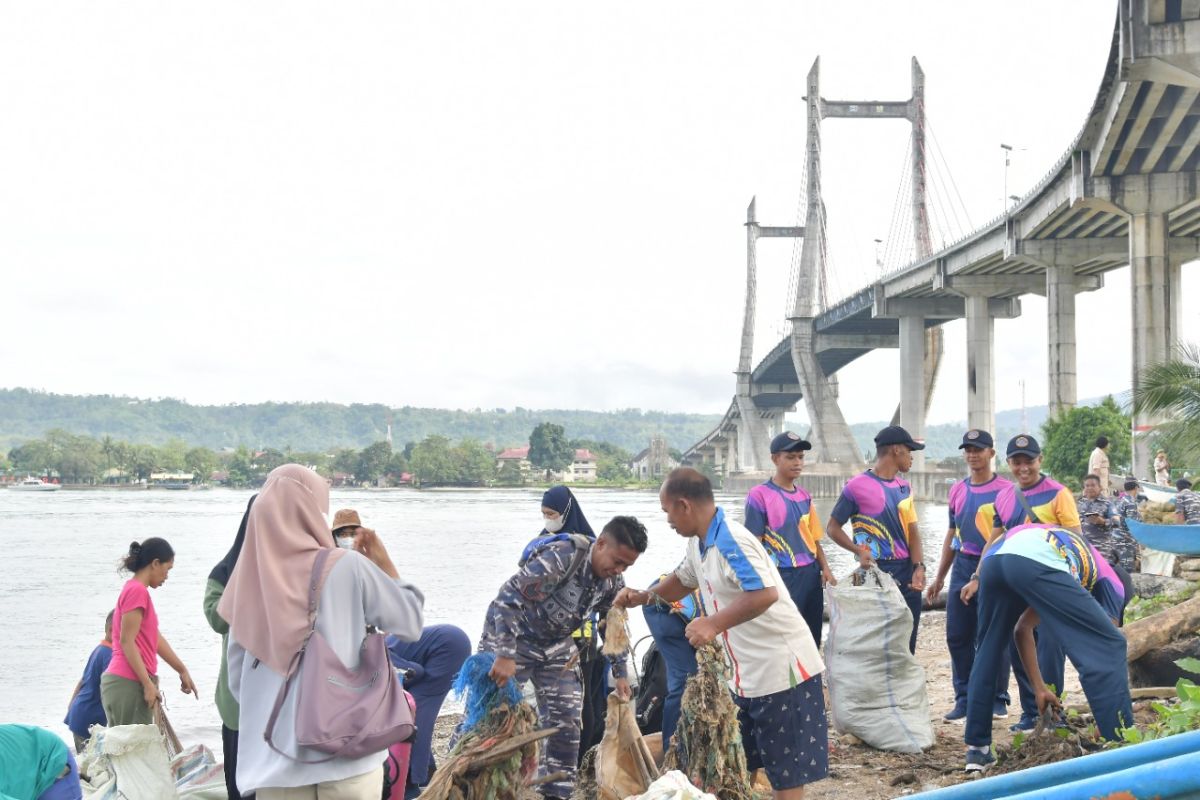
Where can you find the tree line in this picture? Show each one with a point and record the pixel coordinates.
(309, 427)
(433, 461)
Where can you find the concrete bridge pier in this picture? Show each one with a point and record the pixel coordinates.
(912, 381)
(981, 375)
(753, 435)
(1061, 337)
(1155, 300)
(1155, 259)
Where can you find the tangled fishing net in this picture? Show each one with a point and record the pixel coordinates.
(708, 741)
(497, 752)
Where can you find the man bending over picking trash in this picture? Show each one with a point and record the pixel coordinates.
(776, 669)
(528, 627)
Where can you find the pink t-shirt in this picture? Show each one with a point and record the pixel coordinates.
(134, 596)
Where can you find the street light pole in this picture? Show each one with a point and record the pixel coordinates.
(1007, 148)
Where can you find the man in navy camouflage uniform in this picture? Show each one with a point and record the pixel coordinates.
(529, 624)
(1100, 525)
(1187, 503)
(1125, 507)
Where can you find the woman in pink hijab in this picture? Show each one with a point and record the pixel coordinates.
(266, 605)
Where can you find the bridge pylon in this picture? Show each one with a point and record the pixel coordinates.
(832, 439)
(760, 414)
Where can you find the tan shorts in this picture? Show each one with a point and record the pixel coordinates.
(368, 786)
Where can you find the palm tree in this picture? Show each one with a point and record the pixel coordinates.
(1171, 390)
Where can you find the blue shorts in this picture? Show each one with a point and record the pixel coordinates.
(786, 734)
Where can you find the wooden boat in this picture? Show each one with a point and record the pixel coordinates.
(1178, 539)
(1155, 493)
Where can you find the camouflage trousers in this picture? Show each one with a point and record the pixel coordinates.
(1115, 544)
(559, 691)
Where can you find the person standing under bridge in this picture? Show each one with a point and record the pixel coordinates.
(1045, 575)
(878, 503)
(1033, 498)
(781, 514)
(972, 501)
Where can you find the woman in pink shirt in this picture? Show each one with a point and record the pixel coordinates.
(129, 688)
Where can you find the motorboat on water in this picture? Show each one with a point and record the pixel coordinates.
(32, 484)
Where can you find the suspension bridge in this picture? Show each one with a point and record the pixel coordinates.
(1125, 192)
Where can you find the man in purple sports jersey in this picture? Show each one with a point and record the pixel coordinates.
(971, 499)
(782, 515)
(878, 504)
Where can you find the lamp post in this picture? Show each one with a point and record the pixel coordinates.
(1007, 148)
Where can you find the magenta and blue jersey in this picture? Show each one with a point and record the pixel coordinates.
(879, 512)
(970, 503)
(785, 522)
(1065, 550)
(1050, 501)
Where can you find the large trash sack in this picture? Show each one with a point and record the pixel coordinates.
(624, 765)
(674, 785)
(876, 687)
(130, 761)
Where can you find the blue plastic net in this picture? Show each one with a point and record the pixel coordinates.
(481, 692)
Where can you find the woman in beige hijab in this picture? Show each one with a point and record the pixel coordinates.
(266, 605)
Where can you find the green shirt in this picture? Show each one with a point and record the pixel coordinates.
(227, 706)
(31, 759)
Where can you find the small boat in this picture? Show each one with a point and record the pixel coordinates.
(1179, 539)
(1155, 493)
(32, 484)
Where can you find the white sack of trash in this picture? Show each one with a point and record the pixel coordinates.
(131, 761)
(876, 686)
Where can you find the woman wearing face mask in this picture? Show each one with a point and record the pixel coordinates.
(129, 688)
(266, 606)
(561, 517)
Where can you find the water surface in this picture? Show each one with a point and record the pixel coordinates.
(458, 546)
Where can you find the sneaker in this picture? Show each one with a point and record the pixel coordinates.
(958, 712)
(999, 710)
(979, 760)
(1027, 723)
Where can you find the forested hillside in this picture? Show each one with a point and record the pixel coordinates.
(26, 415)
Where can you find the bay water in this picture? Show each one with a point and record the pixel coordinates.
(457, 545)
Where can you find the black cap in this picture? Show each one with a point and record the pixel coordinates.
(1183, 483)
(1023, 445)
(977, 438)
(788, 442)
(894, 434)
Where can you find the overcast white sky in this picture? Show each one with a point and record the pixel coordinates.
(479, 204)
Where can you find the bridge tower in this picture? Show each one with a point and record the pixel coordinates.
(920, 345)
(760, 412)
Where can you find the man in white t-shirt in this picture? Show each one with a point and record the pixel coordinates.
(775, 666)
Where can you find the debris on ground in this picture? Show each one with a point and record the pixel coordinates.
(707, 746)
(496, 754)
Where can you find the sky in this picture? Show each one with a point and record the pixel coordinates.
(478, 204)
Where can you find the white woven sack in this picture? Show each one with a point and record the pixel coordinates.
(673, 785)
(127, 761)
(876, 687)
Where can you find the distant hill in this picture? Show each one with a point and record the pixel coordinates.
(26, 414)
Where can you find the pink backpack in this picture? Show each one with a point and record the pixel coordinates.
(395, 768)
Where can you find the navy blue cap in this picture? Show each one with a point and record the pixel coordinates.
(894, 434)
(787, 442)
(1023, 445)
(977, 438)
